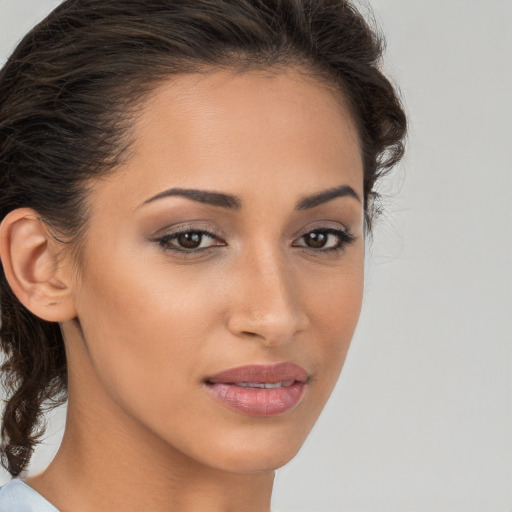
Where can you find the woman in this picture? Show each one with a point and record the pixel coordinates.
(185, 191)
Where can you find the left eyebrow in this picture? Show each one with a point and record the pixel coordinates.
(233, 202)
(327, 195)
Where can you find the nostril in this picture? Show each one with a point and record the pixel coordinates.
(250, 334)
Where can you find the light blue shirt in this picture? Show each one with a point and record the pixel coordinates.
(17, 496)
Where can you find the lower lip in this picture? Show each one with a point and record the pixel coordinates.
(258, 401)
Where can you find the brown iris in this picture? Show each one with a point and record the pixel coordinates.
(190, 240)
(316, 239)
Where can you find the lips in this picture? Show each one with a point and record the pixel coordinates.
(259, 390)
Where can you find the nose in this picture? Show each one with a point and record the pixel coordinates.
(266, 301)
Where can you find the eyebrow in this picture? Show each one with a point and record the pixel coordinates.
(201, 196)
(234, 203)
(327, 195)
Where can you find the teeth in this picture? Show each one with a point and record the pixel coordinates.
(265, 385)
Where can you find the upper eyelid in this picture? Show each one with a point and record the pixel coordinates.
(170, 231)
(328, 229)
(325, 225)
(218, 234)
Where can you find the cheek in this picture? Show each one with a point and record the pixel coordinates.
(335, 309)
(142, 335)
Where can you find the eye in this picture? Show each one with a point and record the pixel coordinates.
(326, 239)
(186, 240)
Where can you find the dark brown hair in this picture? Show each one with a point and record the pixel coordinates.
(73, 85)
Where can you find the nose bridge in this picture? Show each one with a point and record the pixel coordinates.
(266, 303)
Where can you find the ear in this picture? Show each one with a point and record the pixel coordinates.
(33, 269)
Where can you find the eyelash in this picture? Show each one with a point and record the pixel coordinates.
(344, 236)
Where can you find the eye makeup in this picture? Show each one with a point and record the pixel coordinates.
(190, 241)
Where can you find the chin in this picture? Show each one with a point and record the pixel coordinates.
(257, 453)
(256, 463)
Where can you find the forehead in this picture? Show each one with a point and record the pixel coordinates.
(242, 131)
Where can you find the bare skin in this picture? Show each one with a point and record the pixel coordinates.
(153, 323)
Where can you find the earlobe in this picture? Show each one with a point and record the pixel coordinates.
(29, 255)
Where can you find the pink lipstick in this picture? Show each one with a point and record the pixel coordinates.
(259, 390)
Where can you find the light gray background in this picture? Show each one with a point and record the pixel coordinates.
(421, 419)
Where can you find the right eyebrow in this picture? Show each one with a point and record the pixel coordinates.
(202, 196)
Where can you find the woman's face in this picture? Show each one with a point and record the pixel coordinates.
(220, 283)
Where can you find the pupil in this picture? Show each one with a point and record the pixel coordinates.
(317, 239)
(190, 240)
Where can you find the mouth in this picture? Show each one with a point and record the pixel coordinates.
(264, 385)
(259, 390)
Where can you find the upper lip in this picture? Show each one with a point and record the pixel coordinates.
(269, 373)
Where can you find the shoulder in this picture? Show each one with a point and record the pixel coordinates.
(17, 496)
